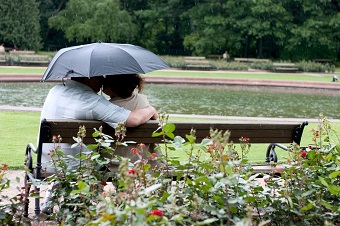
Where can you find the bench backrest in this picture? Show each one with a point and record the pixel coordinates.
(257, 132)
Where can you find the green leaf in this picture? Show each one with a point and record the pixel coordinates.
(152, 188)
(92, 146)
(82, 185)
(169, 128)
(178, 141)
(334, 190)
(207, 221)
(190, 138)
(307, 193)
(334, 174)
(309, 206)
(96, 133)
(250, 199)
(146, 167)
(157, 134)
(202, 179)
(323, 181)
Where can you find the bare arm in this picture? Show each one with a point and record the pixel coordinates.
(141, 116)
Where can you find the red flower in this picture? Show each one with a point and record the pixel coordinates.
(134, 151)
(156, 213)
(103, 183)
(153, 156)
(303, 154)
(246, 139)
(131, 171)
(4, 166)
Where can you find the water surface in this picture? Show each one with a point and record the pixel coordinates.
(221, 100)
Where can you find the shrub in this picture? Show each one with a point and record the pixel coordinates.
(11, 208)
(220, 188)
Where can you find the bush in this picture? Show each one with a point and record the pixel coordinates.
(11, 208)
(220, 188)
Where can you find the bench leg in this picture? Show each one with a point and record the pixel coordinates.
(28, 170)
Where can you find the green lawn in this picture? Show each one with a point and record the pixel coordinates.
(20, 128)
(212, 74)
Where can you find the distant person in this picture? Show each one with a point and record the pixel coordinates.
(125, 91)
(2, 49)
(226, 56)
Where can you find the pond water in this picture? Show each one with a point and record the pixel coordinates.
(207, 99)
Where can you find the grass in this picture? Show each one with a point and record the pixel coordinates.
(310, 77)
(247, 75)
(20, 128)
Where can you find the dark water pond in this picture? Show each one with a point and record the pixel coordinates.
(208, 99)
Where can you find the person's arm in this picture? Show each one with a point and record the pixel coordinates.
(140, 116)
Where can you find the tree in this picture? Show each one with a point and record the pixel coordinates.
(217, 26)
(52, 39)
(94, 20)
(314, 32)
(19, 24)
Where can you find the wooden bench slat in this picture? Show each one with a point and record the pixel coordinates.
(258, 133)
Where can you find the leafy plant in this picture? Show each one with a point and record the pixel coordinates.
(215, 185)
(11, 208)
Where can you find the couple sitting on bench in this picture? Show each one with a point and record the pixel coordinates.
(78, 99)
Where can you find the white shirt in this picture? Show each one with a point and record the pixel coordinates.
(75, 100)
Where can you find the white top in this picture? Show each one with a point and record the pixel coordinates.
(75, 100)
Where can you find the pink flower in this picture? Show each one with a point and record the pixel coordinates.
(134, 151)
(246, 139)
(303, 154)
(156, 213)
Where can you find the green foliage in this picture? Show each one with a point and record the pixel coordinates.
(215, 189)
(19, 24)
(92, 21)
(11, 208)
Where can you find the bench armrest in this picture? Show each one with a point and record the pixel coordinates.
(29, 159)
(271, 154)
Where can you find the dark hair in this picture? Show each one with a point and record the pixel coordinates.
(124, 85)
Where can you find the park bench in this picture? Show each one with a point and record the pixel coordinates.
(285, 67)
(22, 52)
(215, 56)
(250, 60)
(197, 63)
(32, 59)
(323, 61)
(275, 134)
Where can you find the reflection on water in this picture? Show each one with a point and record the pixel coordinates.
(207, 100)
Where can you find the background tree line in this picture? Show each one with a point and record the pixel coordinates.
(275, 29)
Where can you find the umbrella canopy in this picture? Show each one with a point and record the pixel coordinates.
(98, 59)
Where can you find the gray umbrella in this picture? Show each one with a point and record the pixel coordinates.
(98, 59)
